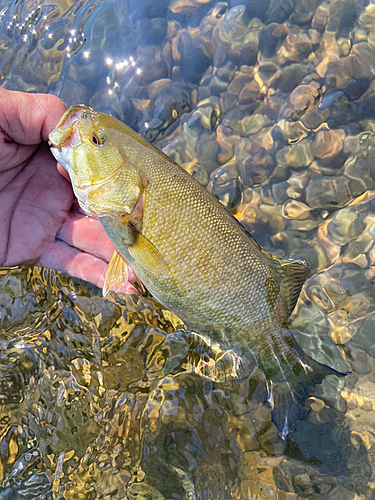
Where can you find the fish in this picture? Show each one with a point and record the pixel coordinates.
(189, 252)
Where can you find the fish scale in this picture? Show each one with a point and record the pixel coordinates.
(230, 253)
(190, 253)
(218, 290)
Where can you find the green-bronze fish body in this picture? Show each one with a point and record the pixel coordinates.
(189, 252)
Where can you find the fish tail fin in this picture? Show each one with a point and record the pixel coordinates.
(293, 383)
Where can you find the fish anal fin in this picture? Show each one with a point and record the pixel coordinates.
(292, 380)
(116, 275)
(148, 256)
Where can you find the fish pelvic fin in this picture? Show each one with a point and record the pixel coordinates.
(292, 381)
(116, 275)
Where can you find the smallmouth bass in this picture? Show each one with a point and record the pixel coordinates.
(189, 252)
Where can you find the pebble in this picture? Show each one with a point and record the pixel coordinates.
(313, 119)
(303, 11)
(271, 37)
(254, 164)
(305, 97)
(327, 144)
(226, 140)
(274, 106)
(297, 156)
(327, 192)
(359, 166)
(240, 80)
(279, 12)
(207, 151)
(320, 18)
(291, 76)
(196, 171)
(293, 209)
(224, 184)
(250, 93)
(296, 47)
(292, 132)
(250, 124)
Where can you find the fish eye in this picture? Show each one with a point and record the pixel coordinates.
(99, 137)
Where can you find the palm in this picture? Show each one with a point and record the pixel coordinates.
(36, 221)
(35, 202)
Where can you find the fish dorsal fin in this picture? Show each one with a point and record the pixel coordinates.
(147, 255)
(116, 275)
(289, 275)
(292, 276)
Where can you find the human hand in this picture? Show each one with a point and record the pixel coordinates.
(37, 223)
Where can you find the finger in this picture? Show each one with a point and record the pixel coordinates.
(62, 257)
(63, 172)
(87, 234)
(29, 118)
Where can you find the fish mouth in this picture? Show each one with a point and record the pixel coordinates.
(75, 124)
(66, 132)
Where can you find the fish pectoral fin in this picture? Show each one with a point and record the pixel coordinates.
(148, 256)
(116, 275)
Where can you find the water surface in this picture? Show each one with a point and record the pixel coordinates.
(270, 105)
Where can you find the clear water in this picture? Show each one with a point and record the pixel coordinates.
(270, 104)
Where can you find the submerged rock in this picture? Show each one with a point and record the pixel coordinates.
(296, 47)
(305, 97)
(296, 156)
(328, 144)
(224, 184)
(291, 132)
(254, 163)
(320, 18)
(196, 171)
(271, 37)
